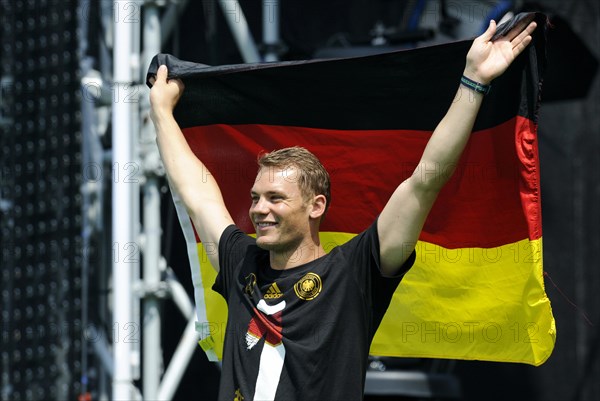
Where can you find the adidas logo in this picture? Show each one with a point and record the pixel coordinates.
(273, 292)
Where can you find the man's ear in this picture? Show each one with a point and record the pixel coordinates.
(318, 206)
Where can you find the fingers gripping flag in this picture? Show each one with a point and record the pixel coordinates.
(476, 290)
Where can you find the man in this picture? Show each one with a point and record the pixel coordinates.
(301, 321)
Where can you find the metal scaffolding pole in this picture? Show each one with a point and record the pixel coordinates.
(270, 16)
(124, 196)
(232, 11)
(185, 349)
(152, 351)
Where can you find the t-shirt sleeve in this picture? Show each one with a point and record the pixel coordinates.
(364, 249)
(233, 247)
(363, 253)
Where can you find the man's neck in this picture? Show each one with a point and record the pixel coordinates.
(305, 253)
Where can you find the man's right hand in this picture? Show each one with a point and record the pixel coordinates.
(165, 93)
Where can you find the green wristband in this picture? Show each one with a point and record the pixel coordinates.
(476, 86)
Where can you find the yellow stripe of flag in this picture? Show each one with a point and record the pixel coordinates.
(464, 303)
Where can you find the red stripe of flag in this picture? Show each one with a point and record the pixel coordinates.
(479, 207)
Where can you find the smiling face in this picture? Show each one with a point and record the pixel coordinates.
(280, 214)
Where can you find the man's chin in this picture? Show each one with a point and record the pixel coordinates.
(263, 243)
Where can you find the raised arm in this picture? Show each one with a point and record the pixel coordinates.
(402, 219)
(187, 174)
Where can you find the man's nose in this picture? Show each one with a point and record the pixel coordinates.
(260, 206)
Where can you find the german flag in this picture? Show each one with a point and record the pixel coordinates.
(476, 290)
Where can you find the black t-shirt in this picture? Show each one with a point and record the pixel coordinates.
(302, 333)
